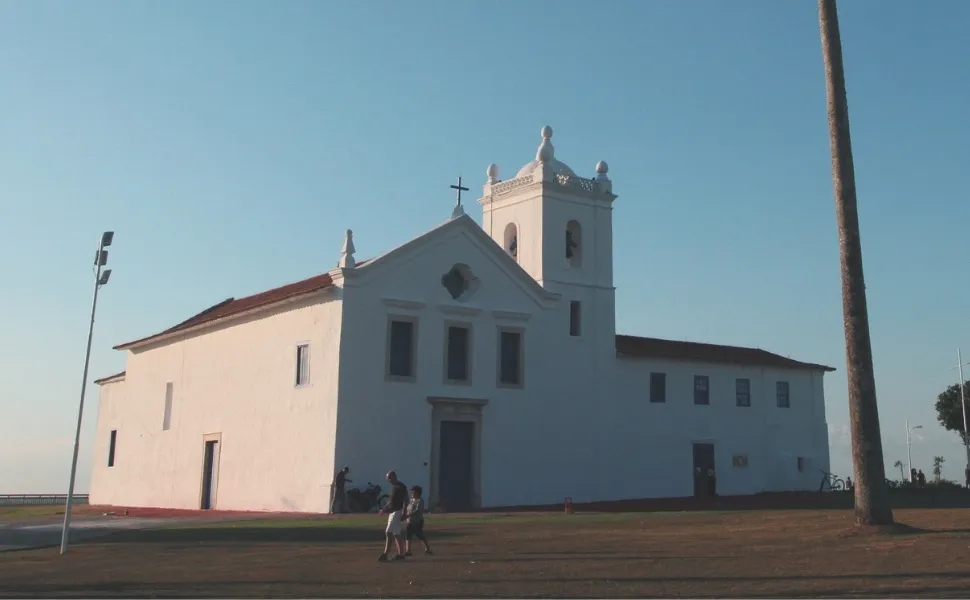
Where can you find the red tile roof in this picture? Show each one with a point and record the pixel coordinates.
(714, 353)
(625, 344)
(109, 377)
(234, 306)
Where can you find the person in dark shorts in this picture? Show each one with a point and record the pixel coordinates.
(415, 518)
(395, 514)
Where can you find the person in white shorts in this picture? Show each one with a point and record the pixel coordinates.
(395, 512)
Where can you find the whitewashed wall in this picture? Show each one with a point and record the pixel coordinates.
(277, 440)
(656, 439)
(583, 425)
(386, 425)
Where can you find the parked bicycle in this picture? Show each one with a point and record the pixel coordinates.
(369, 499)
(831, 481)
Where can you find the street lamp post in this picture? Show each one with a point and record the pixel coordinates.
(909, 445)
(101, 277)
(963, 404)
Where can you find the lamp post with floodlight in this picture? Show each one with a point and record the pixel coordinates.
(909, 445)
(101, 276)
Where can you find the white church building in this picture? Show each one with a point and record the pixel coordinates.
(478, 361)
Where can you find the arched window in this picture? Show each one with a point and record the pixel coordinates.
(574, 244)
(511, 240)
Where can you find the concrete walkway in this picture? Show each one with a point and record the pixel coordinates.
(24, 535)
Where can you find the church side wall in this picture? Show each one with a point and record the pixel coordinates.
(657, 438)
(111, 402)
(234, 384)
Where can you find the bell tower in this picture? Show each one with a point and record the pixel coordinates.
(557, 225)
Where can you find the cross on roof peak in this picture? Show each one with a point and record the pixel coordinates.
(459, 189)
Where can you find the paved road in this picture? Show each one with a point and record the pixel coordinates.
(20, 536)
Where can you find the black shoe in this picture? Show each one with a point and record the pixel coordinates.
(428, 552)
(399, 557)
(382, 558)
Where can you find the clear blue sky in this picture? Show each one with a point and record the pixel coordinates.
(230, 143)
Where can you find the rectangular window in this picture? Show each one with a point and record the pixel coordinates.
(401, 349)
(658, 387)
(801, 464)
(510, 358)
(702, 389)
(781, 394)
(740, 461)
(167, 416)
(458, 352)
(111, 447)
(302, 364)
(742, 392)
(575, 318)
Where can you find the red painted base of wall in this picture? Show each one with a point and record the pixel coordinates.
(926, 498)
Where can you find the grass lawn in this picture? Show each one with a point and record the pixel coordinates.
(41, 511)
(749, 554)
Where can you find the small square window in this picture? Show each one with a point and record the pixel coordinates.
(781, 394)
(740, 461)
(302, 364)
(658, 387)
(702, 389)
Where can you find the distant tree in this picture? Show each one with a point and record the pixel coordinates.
(938, 467)
(902, 474)
(949, 410)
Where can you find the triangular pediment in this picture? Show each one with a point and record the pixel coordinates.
(467, 228)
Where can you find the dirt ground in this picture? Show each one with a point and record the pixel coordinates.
(725, 554)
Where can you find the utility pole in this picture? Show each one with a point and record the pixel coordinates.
(963, 405)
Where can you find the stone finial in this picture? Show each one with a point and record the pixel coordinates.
(347, 260)
(459, 211)
(492, 173)
(602, 168)
(546, 151)
(603, 183)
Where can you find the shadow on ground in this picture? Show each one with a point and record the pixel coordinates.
(298, 588)
(910, 498)
(230, 534)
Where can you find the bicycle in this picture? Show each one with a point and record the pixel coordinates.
(368, 499)
(834, 483)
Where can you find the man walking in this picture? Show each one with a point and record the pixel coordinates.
(338, 504)
(395, 511)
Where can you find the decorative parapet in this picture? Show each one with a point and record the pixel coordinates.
(582, 186)
(575, 182)
(504, 187)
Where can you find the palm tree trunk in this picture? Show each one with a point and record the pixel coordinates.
(871, 493)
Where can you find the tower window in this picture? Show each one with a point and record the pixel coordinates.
(574, 239)
(575, 318)
(511, 240)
